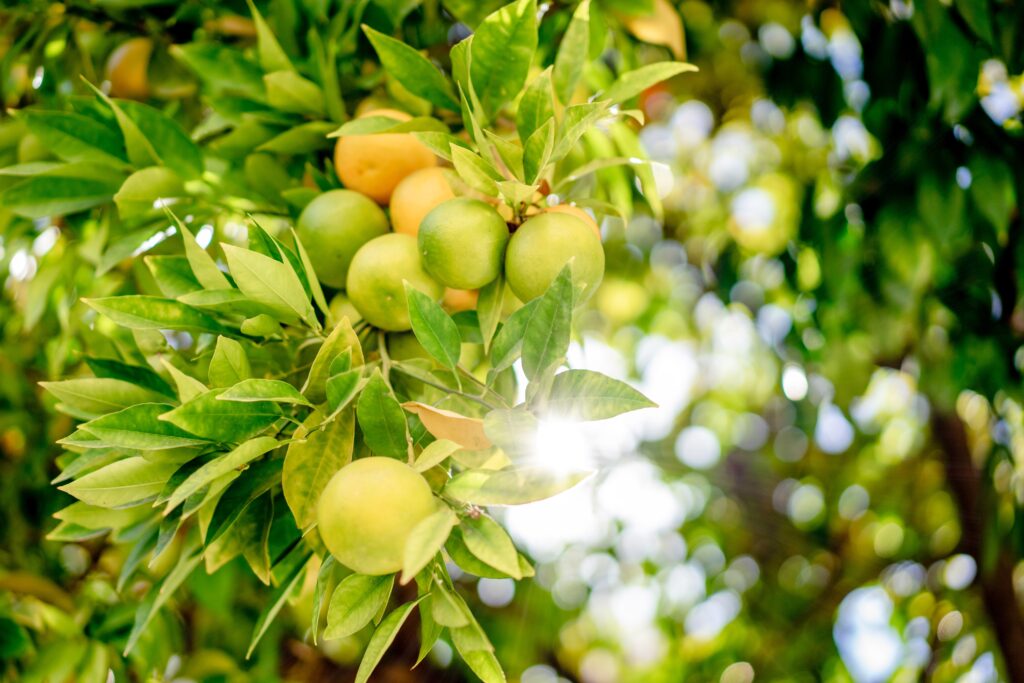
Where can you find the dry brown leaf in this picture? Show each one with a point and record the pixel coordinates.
(468, 432)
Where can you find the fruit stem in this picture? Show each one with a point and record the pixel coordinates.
(385, 359)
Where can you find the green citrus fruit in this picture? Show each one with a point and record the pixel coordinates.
(405, 346)
(367, 511)
(375, 280)
(542, 246)
(462, 243)
(333, 227)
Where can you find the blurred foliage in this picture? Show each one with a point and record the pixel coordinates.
(828, 316)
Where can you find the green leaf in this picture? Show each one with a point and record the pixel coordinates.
(485, 665)
(262, 476)
(302, 139)
(324, 579)
(261, 325)
(188, 387)
(425, 540)
(341, 338)
(992, 189)
(488, 542)
(173, 275)
(219, 466)
(62, 190)
(143, 191)
(203, 266)
(510, 153)
(173, 147)
(223, 421)
(382, 638)
(510, 486)
(489, 305)
(501, 53)
(139, 428)
(536, 106)
(272, 57)
(122, 483)
(434, 454)
(547, 332)
(159, 594)
(290, 585)
(578, 119)
(134, 374)
(270, 283)
(539, 148)
(509, 340)
(434, 329)
(589, 395)
(342, 388)
(229, 364)
(89, 461)
(382, 419)
(253, 529)
(412, 70)
(356, 600)
(74, 137)
(311, 463)
(140, 312)
(383, 124)
(475, 171)
(289, 92)
(311, 278)
(440, 143)
(91, 397)
(572, 53)
(447, 607)
(513, 430)
(275, 390)
(632, 83)
(468, 562)
(95, 517)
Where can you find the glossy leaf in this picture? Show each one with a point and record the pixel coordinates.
(356, 600)
(425, 540)
(412, 70)
(433, 327)
(382, 419)
(311, 463)
(132, 480)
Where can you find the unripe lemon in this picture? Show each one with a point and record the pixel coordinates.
(127, 69)
(340, 307)
(375, 164)
(462, 243)
(405, 346)
(573, 210)
(416, 195)
(333, 227)
(375, 278)
(367, 511)
(542, 246)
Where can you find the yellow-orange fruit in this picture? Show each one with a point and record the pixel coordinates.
(127, 69)
(456, 300)
(416, 195)
(375, 164)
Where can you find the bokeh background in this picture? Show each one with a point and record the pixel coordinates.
(828, 316)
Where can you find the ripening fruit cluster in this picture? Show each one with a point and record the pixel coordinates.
(445, 245)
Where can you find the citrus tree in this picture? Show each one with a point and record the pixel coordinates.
(309, 281)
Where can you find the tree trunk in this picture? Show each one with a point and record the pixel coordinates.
(995, 582)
